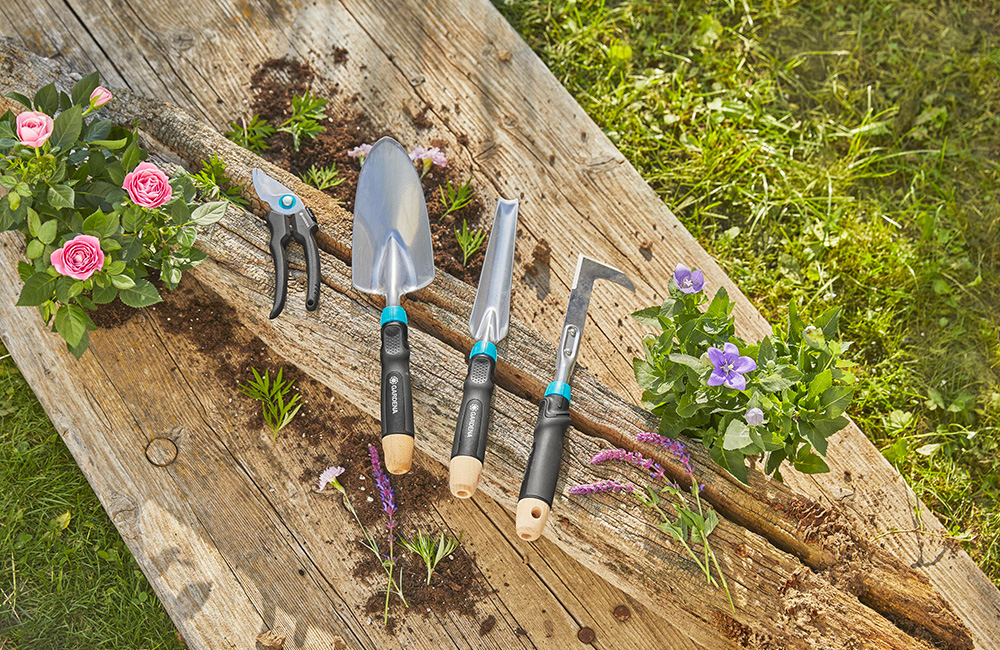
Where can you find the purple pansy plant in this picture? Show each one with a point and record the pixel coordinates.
(689, 281)
(729, 367)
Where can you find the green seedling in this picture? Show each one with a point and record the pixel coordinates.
(250, 135)
(273, 394)
(307, 112)
(431, 552)
(213, 184)
(469, 241)
(455, 198)
(323, 178)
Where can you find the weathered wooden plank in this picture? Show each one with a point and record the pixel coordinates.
(477, 76)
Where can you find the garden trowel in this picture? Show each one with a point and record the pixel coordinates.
(392, 255)
(488, 326)
(539, 484)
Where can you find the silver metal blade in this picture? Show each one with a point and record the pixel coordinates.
(391, 252)
(587, 271)
(281, 199)
(491, 312)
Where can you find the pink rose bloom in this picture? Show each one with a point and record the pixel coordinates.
(79, 257)
(100, 97)
(33, 128)
(147, 186)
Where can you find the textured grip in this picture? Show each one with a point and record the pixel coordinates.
(280, 236)
(474, 414)
(397, 407)
(542, 471)
(305, 229)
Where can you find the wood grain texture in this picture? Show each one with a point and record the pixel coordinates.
(526, 138)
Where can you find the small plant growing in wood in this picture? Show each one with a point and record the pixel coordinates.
(251, 135)
(455, 198)
(307, 112)
(213, 184)
(273, 394)
(323, 178)
(781, 398)
(469, 241)
(96, 217)
(431, 553)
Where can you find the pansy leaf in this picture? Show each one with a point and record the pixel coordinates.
(780, 378)
(645, 376)
(828, 321)
(819, 384)
(828, 427)
(810, 463)
(774, 461)
(649, 317)
(737, 436)
(836, 400)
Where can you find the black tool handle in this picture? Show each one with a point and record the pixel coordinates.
(397, 407)
(281, 233)
(305, 229)
(474, 414)
(542, 472)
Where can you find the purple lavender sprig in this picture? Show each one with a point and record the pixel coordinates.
(384, 488)
(632, 458)
(602, 486)
(674, 446)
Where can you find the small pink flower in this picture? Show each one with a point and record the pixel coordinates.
(79, 257)
(33, 128)
(147, 186)
(361, 151)
(100, 97)
(433, 154)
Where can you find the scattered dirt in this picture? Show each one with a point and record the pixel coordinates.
(541, 257)
(328, 432)
(487, 625)
(112, 315)
(346, 127)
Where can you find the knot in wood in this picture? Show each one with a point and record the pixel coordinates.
(161, 451)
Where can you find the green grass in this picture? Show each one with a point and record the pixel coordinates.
(827, 152)
(830, 153)
(65, 583)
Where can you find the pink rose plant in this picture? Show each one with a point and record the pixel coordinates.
(79, 258)
(100, 97)
(147, 186)
(33, 128)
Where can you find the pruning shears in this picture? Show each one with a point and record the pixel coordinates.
(289, 219)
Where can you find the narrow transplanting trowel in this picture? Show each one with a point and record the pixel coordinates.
(392, 255)
(539, 484)
(488, 325)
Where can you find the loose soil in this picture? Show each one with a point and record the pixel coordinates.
(346, 127)
(323, 435)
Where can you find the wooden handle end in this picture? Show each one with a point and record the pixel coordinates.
(464, 476)
(531, 517)
(398, 451)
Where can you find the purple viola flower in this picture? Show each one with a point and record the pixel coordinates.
(755, 417)
(729, 367)
(687, 280)
(601, 486)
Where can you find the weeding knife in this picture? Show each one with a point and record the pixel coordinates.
(488, 326)
(539, 484)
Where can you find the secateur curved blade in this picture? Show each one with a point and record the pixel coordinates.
(281, 199)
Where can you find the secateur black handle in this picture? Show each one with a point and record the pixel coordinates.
(302, 228)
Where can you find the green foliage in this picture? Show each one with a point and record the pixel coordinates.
(691, 526)
(71, 186)
(277, 409)
(801, 384)
(323, 178)
(307, 112)
(829, 153)
(431, 553)
(69, 579)
(455, 198)
(251, 135)
(213, 183)
(469, 241)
